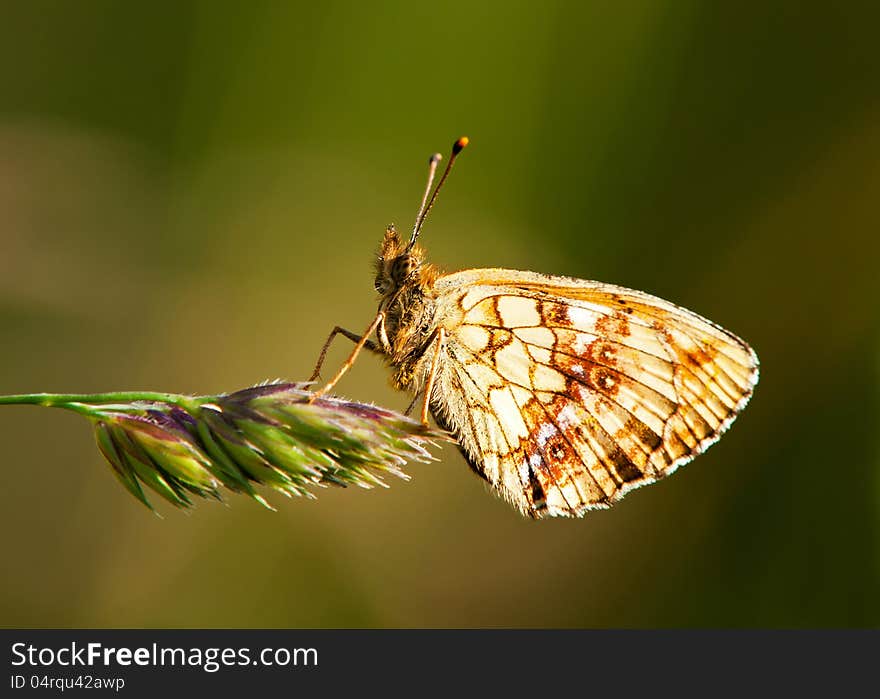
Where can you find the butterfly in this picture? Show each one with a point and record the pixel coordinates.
(563, 394)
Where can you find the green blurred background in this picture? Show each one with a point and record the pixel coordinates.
(191, 194)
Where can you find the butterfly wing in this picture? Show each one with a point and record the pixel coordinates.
(565, 394)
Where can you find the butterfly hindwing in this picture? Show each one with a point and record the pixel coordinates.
(565, 394)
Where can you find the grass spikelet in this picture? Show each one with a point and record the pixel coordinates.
(269, 435)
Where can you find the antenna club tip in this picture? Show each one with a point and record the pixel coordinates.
(435, 158)
(460, 144)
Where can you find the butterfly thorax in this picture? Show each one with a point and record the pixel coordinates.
(408, 301)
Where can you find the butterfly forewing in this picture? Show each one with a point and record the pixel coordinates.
(566, 393)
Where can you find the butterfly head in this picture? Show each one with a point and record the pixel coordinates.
(399, 264)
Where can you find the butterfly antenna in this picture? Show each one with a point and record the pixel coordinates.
(457, 148)
(432, 170)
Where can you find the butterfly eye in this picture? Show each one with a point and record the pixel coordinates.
(402, 267)
(381, 284)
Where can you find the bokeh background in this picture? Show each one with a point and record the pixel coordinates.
(191, 194)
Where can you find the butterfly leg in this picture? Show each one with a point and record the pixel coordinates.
(412, 404)
(432, 375)
(354, 337)
(361, 343)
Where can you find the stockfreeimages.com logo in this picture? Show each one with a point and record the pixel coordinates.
(208, 659)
